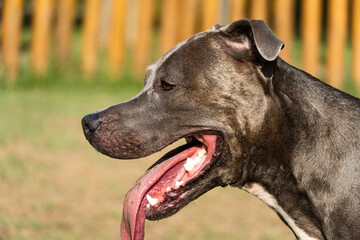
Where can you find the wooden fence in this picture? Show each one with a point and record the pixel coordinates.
(117, 25)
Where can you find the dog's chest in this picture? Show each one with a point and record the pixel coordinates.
(258, 191)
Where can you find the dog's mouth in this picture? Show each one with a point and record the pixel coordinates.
(167, 186)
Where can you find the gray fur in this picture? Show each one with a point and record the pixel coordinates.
(283, 129)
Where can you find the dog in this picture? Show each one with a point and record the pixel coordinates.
(251, 121)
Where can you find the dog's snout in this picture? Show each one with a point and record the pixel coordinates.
(90, 123)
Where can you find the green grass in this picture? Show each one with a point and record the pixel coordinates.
(55, 186)
(30, 106)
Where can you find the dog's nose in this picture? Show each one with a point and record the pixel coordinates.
(90, 123)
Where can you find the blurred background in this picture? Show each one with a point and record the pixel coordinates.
(62, 59)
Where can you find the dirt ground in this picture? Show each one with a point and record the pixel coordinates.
(53, 185)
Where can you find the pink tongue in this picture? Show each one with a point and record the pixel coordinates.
(133, 219)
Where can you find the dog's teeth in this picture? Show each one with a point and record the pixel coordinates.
(152, 201)
(168, 189)
(191, 162)
(178, 183)
(202, 152)
(189, 165)
(148, 206)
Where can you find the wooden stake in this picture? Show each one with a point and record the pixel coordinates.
(169, 21)
(12, 18)
(237, 10)
(187, 19)
(64, 28)
(210, 14)
(336, 40)
(356, 42)
(311, 15)
(41, 35)
(116, 48)
(284, 26)
(259, 10)
(143, 38)
(90, 38)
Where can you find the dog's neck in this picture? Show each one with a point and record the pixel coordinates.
(323, 123)
(295, 162)
(322, 129)
(275, 174)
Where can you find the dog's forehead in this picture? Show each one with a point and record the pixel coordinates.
(153, 68)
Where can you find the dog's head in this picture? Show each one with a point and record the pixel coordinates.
(212, 90)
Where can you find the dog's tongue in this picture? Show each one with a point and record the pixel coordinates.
(133, 219)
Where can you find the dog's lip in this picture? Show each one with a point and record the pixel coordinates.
(135, 202)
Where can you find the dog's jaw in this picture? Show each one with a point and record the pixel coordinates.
(169, 185)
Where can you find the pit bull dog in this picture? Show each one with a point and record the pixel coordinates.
(250, 121)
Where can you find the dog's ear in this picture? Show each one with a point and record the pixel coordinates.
(242, 36)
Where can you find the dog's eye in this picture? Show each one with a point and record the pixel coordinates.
(167, 86)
